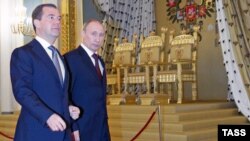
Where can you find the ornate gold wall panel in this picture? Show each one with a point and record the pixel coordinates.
(67, 39)
(72, 24)
(64, 38)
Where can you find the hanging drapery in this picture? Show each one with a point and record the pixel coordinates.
(234, 35)
(124, 18)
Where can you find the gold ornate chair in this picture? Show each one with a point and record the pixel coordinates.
(152, 53)
(182, 61)
(123, 60)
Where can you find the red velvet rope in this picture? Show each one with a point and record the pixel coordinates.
(9, 137)
(144, 127)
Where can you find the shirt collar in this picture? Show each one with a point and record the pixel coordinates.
(43, 42)
(89, 52)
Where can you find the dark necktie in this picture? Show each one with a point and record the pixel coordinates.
(56, 62)
(97, 66)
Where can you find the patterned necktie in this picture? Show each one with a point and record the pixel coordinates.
(97, 66)
(56, 62)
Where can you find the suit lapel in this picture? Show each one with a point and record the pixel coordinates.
(44, 57)
(89, 65)
(87, 60)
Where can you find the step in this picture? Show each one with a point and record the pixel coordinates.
(136, 122)
(180, 122)
(123, 139)
(174, 108)
(210, 139)
(176, 127)
(200, 124)
(130, 109)
(177, 117)
(2, 138)
(199, 115)
(6, 137)
(128, 135)
(133, 126)
(170, 108)
(8, 131)
(133, 117)
(192, 135)
(11, 117)
(6, 123)
(7, 126)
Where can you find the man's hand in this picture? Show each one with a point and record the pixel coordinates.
(74, 112)
(56, 123)
(76, 135)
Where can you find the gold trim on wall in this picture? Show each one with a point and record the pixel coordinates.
(67, 39)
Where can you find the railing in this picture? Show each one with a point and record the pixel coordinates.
(6, 136)
(147, 123)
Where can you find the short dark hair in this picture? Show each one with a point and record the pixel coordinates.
(85, 25)
(38, 12)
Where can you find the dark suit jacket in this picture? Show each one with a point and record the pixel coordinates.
(36, 87)
(89, 93)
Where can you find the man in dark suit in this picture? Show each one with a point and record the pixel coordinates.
(39, 85)
(88, 83)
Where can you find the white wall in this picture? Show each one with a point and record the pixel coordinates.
(8, 41)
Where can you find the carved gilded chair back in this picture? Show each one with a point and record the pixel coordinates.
(182, 47)
(181, 66)
(152, 48)
(151, 54)
(124, 57)
(124, 53)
